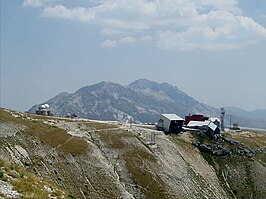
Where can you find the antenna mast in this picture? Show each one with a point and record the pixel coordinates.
(222, 118)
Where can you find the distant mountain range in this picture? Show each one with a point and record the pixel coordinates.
(142, 100)
(259, 114)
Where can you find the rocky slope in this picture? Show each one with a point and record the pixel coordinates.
(142, 100)
(103, 160)
(93, 159)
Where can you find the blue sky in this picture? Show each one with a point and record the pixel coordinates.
(212, 50)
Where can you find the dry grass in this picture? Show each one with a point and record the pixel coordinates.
(75, 146)
(115, 139)
(49, 135)
(138, 162)
(253, 139)
(99, 125)
(28, 184)
(184, 141)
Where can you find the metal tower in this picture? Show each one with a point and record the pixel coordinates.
(222, 118)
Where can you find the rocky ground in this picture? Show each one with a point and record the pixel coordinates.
(93, 159)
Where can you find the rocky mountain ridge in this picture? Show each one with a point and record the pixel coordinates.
(141, 101)
(259, 114)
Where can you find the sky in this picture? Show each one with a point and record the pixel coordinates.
(215, 51)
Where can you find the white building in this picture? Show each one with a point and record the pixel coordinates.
(170, 123)
(43, 110)
(208, 126)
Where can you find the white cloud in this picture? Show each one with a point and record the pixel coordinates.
(128, 40)
(251, 26)
(37, 3)
(112, 32)
(229, 5)
(33, 3)
(60, 11)
(172, 24)
(114, 43)
(238, 32)
(146, 38)
(109, 43)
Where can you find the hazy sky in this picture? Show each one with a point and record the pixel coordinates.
(214, 50)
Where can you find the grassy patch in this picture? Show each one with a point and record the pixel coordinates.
(75, 146)
(261, 158)
(209, 158)
(138, 163)
(115, 138)
(182, 143)
(49, 135)
(26, 183)
(201, 137)
(234, 174)
(2, 175)
(99, 125)
(253, 139)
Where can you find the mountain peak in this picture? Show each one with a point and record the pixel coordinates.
(143, 84)
(143, 100)
(98, 86)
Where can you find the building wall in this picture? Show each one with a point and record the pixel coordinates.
(166, 123)
(41, 112)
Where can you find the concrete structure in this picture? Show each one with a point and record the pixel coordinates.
(198, 124)
(215, 120)
(235, 126)
(170, 123)
(43, 110)
(209, 127)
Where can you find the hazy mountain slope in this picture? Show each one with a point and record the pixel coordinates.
(245, 122)
(259, 114)
(163, 90)
(182, 103)
(142, 100)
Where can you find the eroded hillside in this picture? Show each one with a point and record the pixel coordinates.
(90, 159)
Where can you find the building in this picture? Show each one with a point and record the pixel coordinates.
(209, 127)
(215, 120)
(170, 123)
(235, 126)
(43, 109)
(198, 124)
(194, 117)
